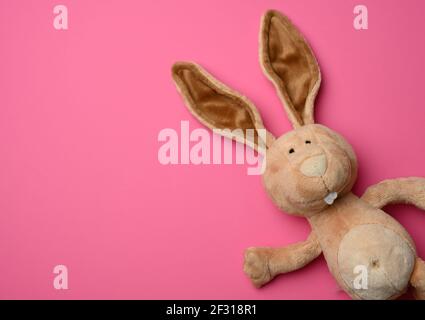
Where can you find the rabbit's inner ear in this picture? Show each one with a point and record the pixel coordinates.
(290, 64)
(217, 106)
(221, 110)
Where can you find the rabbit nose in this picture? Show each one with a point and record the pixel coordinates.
(314, 166)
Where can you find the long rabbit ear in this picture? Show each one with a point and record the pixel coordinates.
(289, 63)
(218, 107)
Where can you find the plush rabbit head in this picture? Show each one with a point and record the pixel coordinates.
(306, 168)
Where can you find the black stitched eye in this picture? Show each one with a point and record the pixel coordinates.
(307, 142)
(291, 150)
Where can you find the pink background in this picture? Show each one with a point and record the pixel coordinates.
(80, 112)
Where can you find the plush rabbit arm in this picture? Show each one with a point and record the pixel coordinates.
(263, 264)
(393, 191)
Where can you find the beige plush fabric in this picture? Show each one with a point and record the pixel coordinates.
(402, 190)
(353, 233)
(263, 264)
(310, 172)
(418, 280)
(387, 256)
(300, 194)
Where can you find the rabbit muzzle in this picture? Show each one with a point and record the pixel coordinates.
(314, 166)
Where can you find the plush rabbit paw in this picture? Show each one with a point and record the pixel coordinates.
(256, 265)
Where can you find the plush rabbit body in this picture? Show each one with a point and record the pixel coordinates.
(310, 172)
(365, 236)
(351, 232)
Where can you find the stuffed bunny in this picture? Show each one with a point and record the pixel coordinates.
(310, 172)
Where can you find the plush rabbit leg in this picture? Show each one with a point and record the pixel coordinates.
(263, 264)
(418, 279)
(402, 190)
